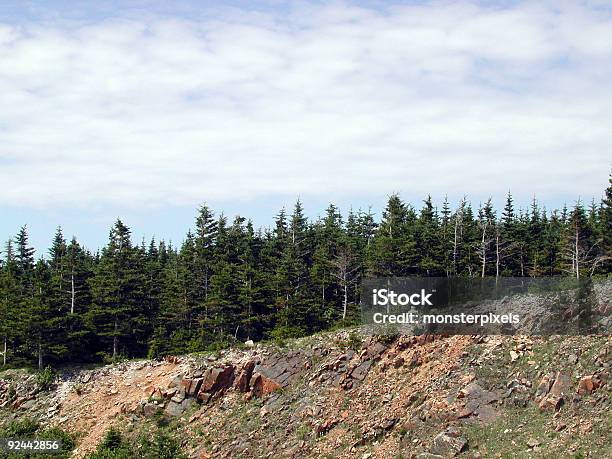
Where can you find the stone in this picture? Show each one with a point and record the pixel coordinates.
(174, 409)
(263, 386)
(244, 378)
(249, 343)
(361, 370)
(375, 351)
(448, 443)
(587, 385)
(216, 379)
(187, 403)
(544, 385)
(555, 397)
(194, 388)
(150, 409)
(178, 397)
(561, 385)
(175, 382)
(532, 443)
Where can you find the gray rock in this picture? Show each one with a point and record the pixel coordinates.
(174, 409)
(448, 443)
(150, 409)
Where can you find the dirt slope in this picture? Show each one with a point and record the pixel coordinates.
(344, 395)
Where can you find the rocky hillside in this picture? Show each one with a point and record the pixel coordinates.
(343, 395)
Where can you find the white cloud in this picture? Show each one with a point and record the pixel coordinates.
(321, 100)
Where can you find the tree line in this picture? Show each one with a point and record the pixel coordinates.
(228, 282)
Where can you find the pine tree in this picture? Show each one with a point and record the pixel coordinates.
(205, 238)
(605, 224)
(10, 325)
(487, 229)
(446, 238)
(428, 241)
(393, 251)
(117, 313)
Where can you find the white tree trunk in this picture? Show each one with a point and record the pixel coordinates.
(72, 294)
(497, 254)
(345, 300)
(483, 249)
(576, 254)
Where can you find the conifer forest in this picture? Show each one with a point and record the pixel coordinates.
(229, 282)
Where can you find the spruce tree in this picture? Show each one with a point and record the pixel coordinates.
(117, 313)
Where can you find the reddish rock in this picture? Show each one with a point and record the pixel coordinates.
(375, 350)
(263, 386)
(216, 379)
(588, 384)
(244, 378)
(555, 397)
(325, 426)
(185, 385)
(545, 385)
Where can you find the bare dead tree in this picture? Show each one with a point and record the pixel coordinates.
(458, 229)
(346, 272)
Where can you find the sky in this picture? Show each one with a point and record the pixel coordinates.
(144, 110)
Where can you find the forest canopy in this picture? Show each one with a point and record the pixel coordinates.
(229, 282)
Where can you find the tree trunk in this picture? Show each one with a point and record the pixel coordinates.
(72, 294)
(496, 255)
(483, 250)
(576, 254)
(345, 300)
(455, 247)
(40, 355)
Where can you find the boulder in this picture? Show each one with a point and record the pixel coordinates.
(361, 370)
(194, 388)
(588, 384)
(244, 378)
(214, 381)
(150, 409)
(554, 400)
(263, 385)
(174, 409)
(448, 443)
(545, 385)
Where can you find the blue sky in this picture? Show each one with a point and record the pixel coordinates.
(143, 110)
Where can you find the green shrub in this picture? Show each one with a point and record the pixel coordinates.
(45, 378)
(30, 429)
(161, 446)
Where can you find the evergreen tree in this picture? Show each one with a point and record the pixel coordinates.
(117, 312)
(393, 251)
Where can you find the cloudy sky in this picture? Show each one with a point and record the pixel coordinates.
(144, 109)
